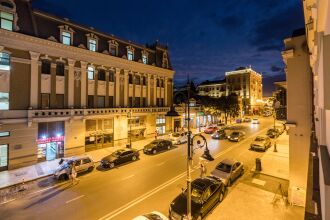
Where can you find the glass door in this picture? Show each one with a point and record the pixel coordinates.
(3, 157)
(51, 151)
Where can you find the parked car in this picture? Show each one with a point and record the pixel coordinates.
(255, 121)
(261, 143)
(157, 146)
(179, 137)
(228, 171)
(119, 157)
(206, 193)
(151, 216)
(219, 134)
(272, 133)
(82, 164)
(247, 120)
(236, 136)
(210, 129)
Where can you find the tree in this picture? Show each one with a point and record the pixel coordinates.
(228, 105)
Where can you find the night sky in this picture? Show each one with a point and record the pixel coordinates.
(206, 38)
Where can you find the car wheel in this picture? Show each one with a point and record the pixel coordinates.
(90, 169)
(179, 142)
(63, 177)
(154, 151)
(169, 147)
(111, 165)
(134, 158)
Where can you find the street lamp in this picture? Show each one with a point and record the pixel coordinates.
(129, 116)
(276, 106)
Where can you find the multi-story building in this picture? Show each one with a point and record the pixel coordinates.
(212, 88)
(307, 55)
(245, 82)
(66, 89)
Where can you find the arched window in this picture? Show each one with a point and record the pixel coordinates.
(90, 73)
(4, 61)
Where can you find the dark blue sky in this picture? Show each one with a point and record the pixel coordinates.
(206, 38)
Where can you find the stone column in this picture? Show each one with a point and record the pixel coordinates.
(126, 88)
(107, 89)
(71, 63)
(34, 79)
(148, 90)
(165, 91)
(155, 90)
(117, 87)
(96, 83)
(53, 102)
(83, 79)
(133, 90)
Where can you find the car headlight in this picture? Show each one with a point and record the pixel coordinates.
(235, 138)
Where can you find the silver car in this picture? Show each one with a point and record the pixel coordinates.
(82, 164)
(261, 143)
(228, 171)
(179, 137)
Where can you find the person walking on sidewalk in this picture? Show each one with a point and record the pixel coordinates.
(203, 169)
(156, 134)
(74, 173)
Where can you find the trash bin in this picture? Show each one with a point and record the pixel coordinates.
(258, 164)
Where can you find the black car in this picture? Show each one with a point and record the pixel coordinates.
(157, 146)
(236, 136)
(120, 156)
(205, 194)
(273, 133)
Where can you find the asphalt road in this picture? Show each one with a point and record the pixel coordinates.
(146, 185)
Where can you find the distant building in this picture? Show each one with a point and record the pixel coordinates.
(212, 88)
(280, 95)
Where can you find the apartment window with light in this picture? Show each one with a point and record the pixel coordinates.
(90, 73)
(4, 61)
(130, 55)
(7, 20)
(92, 44)
(4, 101)
(45, 67)
(66, 38)
(144, 59)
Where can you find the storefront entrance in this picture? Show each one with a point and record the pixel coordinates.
(99, 134)
(160, 124)
(3, 157)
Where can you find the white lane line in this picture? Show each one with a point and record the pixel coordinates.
(139, 199)
(159, 164)
(79, 197)
(126, 178)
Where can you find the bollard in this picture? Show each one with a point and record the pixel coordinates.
(258, 164)
(275, 149)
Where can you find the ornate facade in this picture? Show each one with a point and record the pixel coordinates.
(66, 89)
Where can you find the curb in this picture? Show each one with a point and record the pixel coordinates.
(27, 181)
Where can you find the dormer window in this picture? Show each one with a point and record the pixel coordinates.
(92, 44)
(66, 38)
(113, 47)
(144, 57)
(130, 53)
(90, 73)
(7, 20)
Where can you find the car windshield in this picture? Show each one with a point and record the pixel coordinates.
(196, 194)
(153, 216)
(176, 134)
(259, 139)
(235, 134)
(155, 142)
(117, 153)
(224, 167)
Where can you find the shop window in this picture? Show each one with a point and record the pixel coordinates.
(100, 101)
(45, 67)
(45, 100)
(60, 69)
(101, 75)
(66, 38)
(90, 125)
(108, 124)
(7, 20)
(92, 44)
(4, 101)
(90, 73)
(130, 78)
(4, 61)
(111, 76)
(90, 103)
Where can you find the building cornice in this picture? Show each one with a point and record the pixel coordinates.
(29, 43)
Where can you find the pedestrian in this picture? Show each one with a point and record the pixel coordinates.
(156, 134)
(203, 169)
(74, 173)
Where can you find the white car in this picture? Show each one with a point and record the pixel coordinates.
(151, 216)
(179, 137)
(255, 121)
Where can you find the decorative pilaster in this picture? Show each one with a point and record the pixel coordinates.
(117, 87)
(165, 91)
(125, 88)
(107, 89)
(155, 90)
(148, 90)
(34, 79)
(71, 63)
(83, 95)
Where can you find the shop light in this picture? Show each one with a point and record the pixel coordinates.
(43, 137)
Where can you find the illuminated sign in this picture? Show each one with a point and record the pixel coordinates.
(50, 139)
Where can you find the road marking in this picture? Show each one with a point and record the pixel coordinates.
(139, 199)
(159, 164)
(7, 201)
(258, 182)
(126, 178)
(79, 197)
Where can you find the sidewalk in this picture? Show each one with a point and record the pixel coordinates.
(43, 169)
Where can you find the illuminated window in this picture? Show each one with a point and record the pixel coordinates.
(4, 61)
(129, 54)
(66, 38)
(90, 73)
(92, 44)
(6, 20)
(144, 59)
(4, 101)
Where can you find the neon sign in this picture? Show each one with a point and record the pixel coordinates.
(50, 139)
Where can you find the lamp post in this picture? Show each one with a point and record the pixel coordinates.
(276, 106)
(129, 116)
